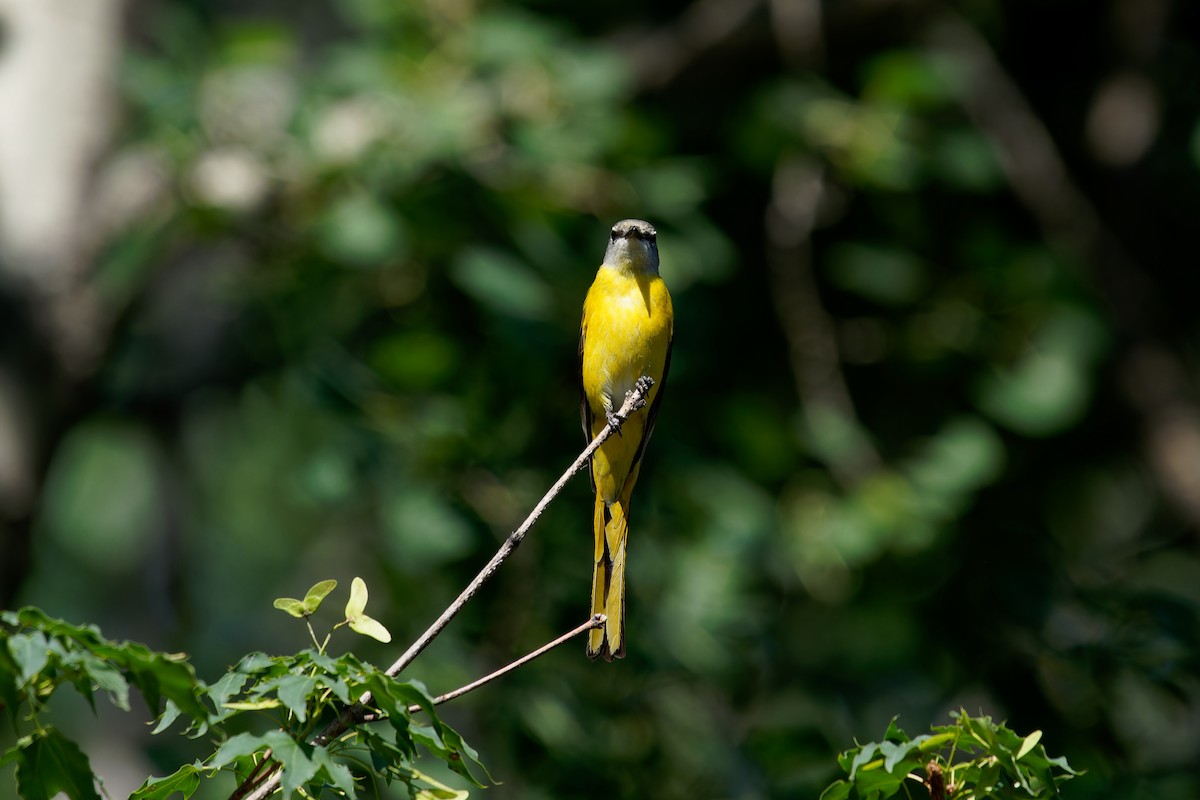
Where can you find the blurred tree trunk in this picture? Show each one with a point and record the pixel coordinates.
(57, 68)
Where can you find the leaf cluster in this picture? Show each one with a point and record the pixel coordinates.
(298, 696)
(974, 757)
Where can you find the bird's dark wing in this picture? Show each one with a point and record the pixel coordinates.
(585, 408)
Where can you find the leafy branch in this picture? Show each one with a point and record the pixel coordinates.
(319, 705)
(973, 757)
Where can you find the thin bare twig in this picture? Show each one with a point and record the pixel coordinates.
(633, 401)
(597, 621)
(357, 713)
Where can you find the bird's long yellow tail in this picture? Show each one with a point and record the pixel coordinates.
(611, 525)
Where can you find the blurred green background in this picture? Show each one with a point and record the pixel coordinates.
(931, 437)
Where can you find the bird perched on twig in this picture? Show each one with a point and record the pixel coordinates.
(627, 331)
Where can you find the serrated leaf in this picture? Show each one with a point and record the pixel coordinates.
(319, 591)
(160, 675)
(339, 687)
(370, 627)
(235, 747)
(15, 753)
(462, 755)
(1061, 763)
(293, 691)
(170, 713)
(298, 768)
(894, 732)
(184, 781)
(871, 783)
(30, 651)
(255, 662)
(109, 679)
(291, 605)
(358, 599)
(864, 757)
(52, 764)
(339, 775)
(325, 662)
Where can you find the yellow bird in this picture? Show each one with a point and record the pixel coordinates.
(627, 330)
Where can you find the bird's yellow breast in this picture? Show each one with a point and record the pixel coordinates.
(628, 321)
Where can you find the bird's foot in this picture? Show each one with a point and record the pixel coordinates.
(642, 387)
(614, 421)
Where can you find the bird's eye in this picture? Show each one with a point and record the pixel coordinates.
(614, 235)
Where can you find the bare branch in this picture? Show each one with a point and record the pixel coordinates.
(633, 401)
(358, 713)
(597, 621)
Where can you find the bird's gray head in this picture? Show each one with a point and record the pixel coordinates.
(633, 245)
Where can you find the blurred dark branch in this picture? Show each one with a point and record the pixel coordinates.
(659, 56)
(359, 712)
(1036, 172)
(796, 194)
(1154, 378)
(796, 26)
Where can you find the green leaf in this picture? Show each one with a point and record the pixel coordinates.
(52, 764)
(436, 790)
(294, 691)
(31, 651)
(223, 690)
(319, 591)
(338, 775)
(298, 768)
(254, 705)
(256, 662)
(109, 679)
(184, 781)
(358, 599)
(1028, 744)
(872, 783)
(838, 790)
(235, 747)
(894, 733)
(370, 627)
(170, 713)
(864, 757)
(291, 605)
(894, 753)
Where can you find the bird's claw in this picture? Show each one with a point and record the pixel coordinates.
(642, 389)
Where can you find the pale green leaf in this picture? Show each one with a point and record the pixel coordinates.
(254, 705)
(1028, 744)
(358, 599)
(291, 606)
(312, 600)
(370, 627)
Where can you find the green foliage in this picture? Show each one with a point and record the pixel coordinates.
(972, 758)
(342, 252)
(300, 695)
